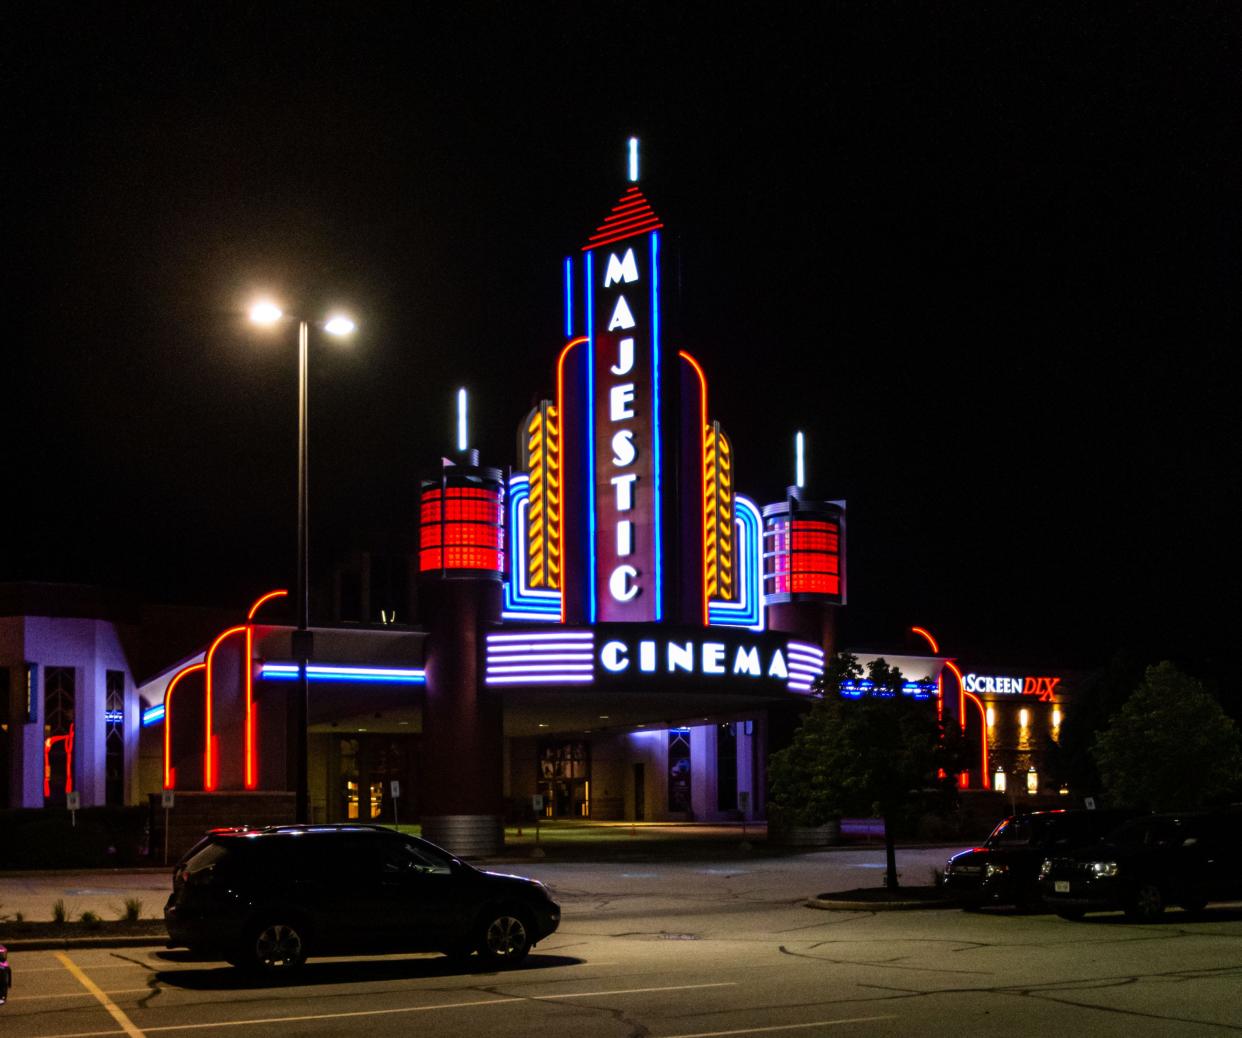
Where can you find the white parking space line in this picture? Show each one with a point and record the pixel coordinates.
(78, 994)
(113, 1009)
(268, 1021)
(783, 1027)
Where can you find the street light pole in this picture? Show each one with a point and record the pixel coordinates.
(268, 313)
(302, 639)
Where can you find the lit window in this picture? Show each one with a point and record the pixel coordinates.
(998, 780)
(1056, 717)
(1024, 717)
(991, 715)
(1032, 781)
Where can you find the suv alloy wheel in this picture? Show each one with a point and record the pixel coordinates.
(504, 937)
(275, 947)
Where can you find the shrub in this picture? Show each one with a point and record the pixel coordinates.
(59, 912)
(89, 918)
(133, 909)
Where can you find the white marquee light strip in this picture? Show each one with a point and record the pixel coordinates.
(541, 658)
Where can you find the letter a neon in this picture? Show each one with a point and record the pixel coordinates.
(621, 316)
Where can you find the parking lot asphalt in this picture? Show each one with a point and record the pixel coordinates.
(692, 949)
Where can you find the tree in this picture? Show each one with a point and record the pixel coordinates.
(866, 754)
(1170, 746)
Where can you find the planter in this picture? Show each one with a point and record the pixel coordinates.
(809, 835)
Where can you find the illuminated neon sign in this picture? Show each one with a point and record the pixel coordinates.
(623, 385)
(1042, 688)
(631, 656)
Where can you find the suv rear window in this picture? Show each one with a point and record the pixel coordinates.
(206, 858)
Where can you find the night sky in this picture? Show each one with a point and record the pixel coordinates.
(987, 257)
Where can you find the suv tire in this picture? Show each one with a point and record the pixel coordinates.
(504, 937)
(274, 947)
(1146, 904)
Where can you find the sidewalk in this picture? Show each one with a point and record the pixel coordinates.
(104, 892)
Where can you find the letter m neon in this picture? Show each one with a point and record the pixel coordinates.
(620, 270)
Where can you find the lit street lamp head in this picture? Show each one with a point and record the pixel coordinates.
(339, 324)
(266, 313)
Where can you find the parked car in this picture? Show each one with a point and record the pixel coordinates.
(1147, 864)
(1005, 870)
(265, 899)
(6, 975)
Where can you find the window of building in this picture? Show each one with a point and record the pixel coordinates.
(114, 738)
(679, 769)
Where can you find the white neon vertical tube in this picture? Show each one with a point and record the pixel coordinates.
(461, 419)
(634, 159)
(800, 450)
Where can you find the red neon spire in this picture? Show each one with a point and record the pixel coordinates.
(631, 216)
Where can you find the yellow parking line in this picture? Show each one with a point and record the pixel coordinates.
(115, 1011)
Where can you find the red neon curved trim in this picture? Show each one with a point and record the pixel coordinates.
(560, 449)
(983, 715)
(703, 466)
(961, 693)
(250, 768)
(259, 602)
(169, 778)
(210, 777)
(928, 635)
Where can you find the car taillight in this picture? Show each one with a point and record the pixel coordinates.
(181, 876)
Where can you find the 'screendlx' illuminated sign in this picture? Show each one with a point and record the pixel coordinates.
(1043, 688)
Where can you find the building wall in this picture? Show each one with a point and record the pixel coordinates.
(90, 648)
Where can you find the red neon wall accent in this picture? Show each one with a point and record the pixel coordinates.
(923, 632)
(983, 728)
(698, 370)
(210, 772)
(48, 743)
(250, 777)
(465, 531)
(170, 776)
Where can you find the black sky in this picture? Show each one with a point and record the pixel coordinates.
(986, 257)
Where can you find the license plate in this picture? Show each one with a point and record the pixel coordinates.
(1061, 886)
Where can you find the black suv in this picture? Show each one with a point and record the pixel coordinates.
(1005, 870)
(266, 898)
(1181, 859)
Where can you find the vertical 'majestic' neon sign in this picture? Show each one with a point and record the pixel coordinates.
(623, 325)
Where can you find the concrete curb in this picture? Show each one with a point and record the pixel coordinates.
(875, 906)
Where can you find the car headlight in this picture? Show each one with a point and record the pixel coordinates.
(1045, 868)
(1103, 868)
(991, 869)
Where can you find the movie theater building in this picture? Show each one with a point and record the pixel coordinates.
(611, 624)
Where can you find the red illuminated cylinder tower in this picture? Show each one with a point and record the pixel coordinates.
(804, 566)
(461, 563)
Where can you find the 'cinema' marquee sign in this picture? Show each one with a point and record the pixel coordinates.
(650, 657)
